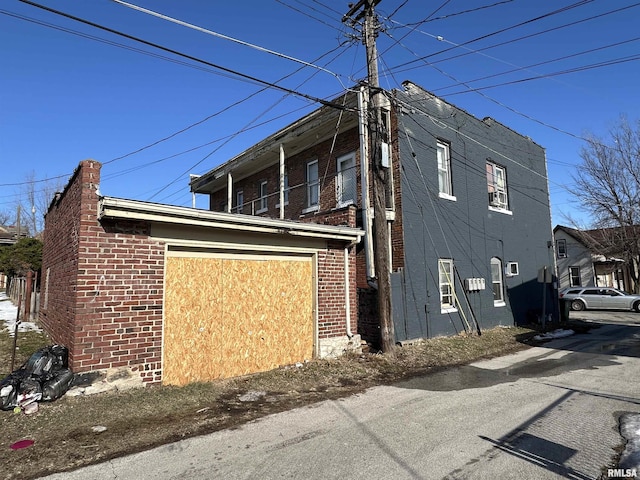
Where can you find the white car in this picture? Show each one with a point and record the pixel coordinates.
(582, 298)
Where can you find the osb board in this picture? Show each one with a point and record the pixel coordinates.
(227, 316)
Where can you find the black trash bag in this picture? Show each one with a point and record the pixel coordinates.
(9, 387)
(44, 376)
(57, 385)
(46, 361)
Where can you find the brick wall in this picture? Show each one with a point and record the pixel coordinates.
(327, 213)
(104, 281)
(103, 284)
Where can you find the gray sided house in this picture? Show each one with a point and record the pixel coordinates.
(467, 207)
(590, 258)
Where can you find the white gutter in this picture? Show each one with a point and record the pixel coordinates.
(119, 208)
(364, 184)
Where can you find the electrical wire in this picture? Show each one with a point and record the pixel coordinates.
(491, 34)
(184, 55)
(529, 67)
(226, 37)
(507, 42)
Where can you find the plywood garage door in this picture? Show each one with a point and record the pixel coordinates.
(232, 315)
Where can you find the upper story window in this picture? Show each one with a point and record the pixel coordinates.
(313, 185)
(497, 282)
(561, 248)
(447, 286)
(497, 186)
(263, 204)
(445, 184)
(346, 181)
(239, 202)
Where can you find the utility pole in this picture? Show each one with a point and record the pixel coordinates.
(365, 9)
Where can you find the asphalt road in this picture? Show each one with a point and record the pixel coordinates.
(545, 413)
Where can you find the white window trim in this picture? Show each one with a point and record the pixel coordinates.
(447, 164)
(339, 161)
(579, 276)
(263, 198)
(453, 198)
(499, 263)
(313, 208)
(316, 206)
(239, 204)
(500, 210)
(564, 242)
(451, 281)
(497, 189)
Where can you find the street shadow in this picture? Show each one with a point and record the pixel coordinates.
(522, 444)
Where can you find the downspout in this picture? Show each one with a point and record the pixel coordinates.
(364, 185)
(281, 182)
(229, 192)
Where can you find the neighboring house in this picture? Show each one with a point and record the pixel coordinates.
(587, 258)
(176, 295)
(467, 207)
(9, 234)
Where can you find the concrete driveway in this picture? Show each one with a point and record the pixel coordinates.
(549, 412)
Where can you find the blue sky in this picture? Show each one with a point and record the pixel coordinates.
(65, 96)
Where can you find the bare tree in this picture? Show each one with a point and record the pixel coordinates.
(607, 186)
(5, 218)
(34, 200)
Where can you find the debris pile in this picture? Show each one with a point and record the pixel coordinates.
(44, 377)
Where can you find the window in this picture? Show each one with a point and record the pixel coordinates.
(263, 200)
(497, 186)
(497, 282)
(346, 182)
(574, 277)
(239, 202)
(313, 185)
(445, 186)
(447, 287)
(561, 248)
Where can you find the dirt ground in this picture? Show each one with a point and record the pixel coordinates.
(65, 435)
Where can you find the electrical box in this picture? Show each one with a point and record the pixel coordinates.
(474, 284)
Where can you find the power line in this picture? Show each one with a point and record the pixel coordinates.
(226, 37)
(546, 62)
(502, 30)
(112, 43)
(190, 57)
(308, 15)
(592, 66)
(508, 41)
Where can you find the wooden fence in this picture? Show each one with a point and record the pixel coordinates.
(23, 289)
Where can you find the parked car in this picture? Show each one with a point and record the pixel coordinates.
(582, 298)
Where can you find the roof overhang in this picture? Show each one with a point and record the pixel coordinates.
(319, 125)
(124, 209)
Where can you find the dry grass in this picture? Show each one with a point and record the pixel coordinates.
(140, 419)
